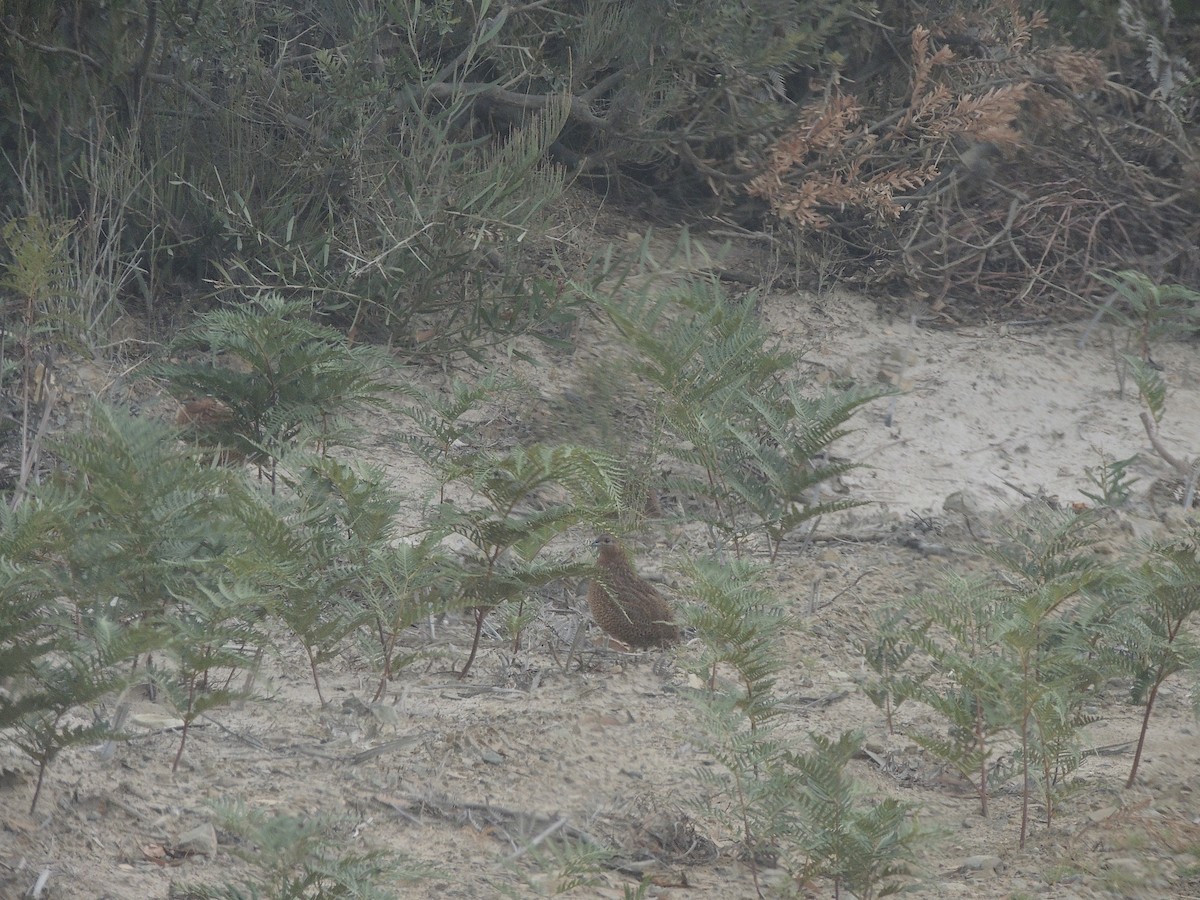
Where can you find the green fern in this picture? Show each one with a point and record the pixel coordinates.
(150, 521)
(1112, 480)
(296, 857)
(82, 669)
(738, 623)
(516, 518)
(750, 441)
(704, 352)
(953, 629)
(783, 463)
(441, 429)
(34, 647)
(1016, 654)
(799, 811)
(210, 635)
(1148, 634)
(1153, 311)
(130, 536)
(312, 549)
(866, 847)
(887, 653)
(750, 790)
(402, 585)
(1150, 385)
(31, 538)
(291, 383)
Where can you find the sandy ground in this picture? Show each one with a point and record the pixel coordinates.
(525, 749)
(1001, 412)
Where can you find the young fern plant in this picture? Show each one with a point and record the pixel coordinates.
(953, 628)
(285, 381)
(737, 623)
(380, 581)
(864, 847)
(54, 662)
(705, 356)
(152, 521)
(1051, 580)
(442, 429)
(1112, 480)
(312, 550)
(1017, 655)
(1149, 637)
(86, 665)
(33, 534)
(750, 442)
(404, 584)
(301, 856)
(800, 810)
(784, 461)
(751, 790)
(1151, 311)
(1153, 391)
(210, 635)
(888, 653)
(507, 520)
(523, 498)
(133, 532)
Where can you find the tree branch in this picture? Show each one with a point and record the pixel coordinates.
(580, 110)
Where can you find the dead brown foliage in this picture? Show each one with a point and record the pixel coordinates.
(1004, 177)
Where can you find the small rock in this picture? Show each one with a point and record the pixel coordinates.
(200, 841)
(989, 864)
(352, 706)
(961, 502)
(385, 714)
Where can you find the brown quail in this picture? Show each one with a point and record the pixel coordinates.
(205, 418)
(626, 606)
(204, 412)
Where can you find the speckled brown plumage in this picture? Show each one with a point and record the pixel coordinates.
(205, 419)
(626, 606)
(203, 413)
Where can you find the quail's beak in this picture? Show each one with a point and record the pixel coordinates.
(596, 542)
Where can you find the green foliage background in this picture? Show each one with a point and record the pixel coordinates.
(397, 160)
(321, 170)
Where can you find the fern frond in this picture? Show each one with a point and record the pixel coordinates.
(291, 375)
(737, 621)
(1150, 385)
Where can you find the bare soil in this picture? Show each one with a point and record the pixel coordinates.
(475, 779)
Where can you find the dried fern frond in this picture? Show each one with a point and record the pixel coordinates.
(923, 65)
(987, 118)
